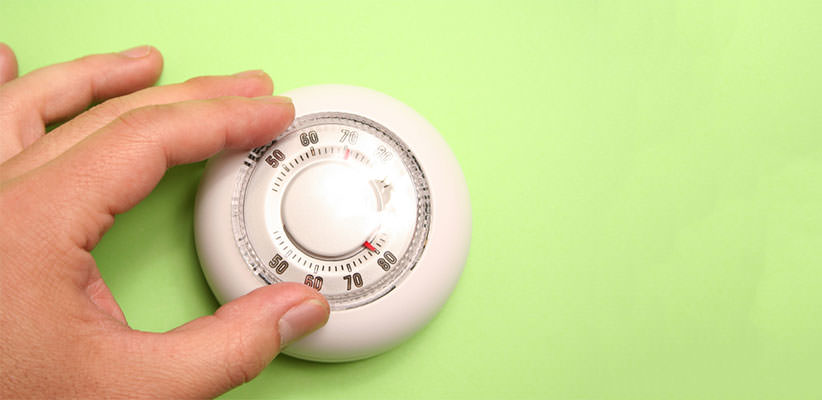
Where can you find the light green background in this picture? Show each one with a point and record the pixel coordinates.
(646, 180)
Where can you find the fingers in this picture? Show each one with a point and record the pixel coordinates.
(252, 83)
(59, 91)
(8, 64)
(112, 170)
(212, 354)
(246, 84)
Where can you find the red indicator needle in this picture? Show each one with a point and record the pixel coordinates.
(369, 246)
(346, 157)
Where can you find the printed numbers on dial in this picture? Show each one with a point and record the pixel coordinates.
(309, 138)
(278, 264)
(386, 261)
(355, 278)
(315, 282)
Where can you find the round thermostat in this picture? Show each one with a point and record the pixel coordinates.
(360, 199)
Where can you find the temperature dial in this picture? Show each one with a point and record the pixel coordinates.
(360, 199)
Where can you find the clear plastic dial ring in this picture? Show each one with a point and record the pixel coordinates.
(337, 202)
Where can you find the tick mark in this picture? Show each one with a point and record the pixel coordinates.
(370, 247)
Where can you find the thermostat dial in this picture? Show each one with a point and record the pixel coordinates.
(360, 199)
(339, 203)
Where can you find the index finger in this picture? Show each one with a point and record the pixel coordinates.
(112, 170)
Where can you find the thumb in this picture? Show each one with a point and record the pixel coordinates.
(212, 354)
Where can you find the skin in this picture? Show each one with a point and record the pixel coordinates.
(62, 333)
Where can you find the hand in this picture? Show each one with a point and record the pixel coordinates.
(62, 334)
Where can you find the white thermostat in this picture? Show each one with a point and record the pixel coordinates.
(360, 199)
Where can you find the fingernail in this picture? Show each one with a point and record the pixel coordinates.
(137, 52)
(301, 320)
(250, 73)
(274, 99)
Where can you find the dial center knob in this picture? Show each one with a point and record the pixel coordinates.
(330, 209)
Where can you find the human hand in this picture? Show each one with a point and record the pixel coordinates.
(61, 332)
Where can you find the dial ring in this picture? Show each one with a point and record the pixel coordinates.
(251, 189)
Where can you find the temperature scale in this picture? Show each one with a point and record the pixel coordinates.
(360, 199)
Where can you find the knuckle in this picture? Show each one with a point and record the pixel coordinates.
(205, 87)
(222, 108)
(228, 104)
(142, 126)
(199, 82)
(88, 61)
(109, 109)
(140, 120)
(85, 63)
